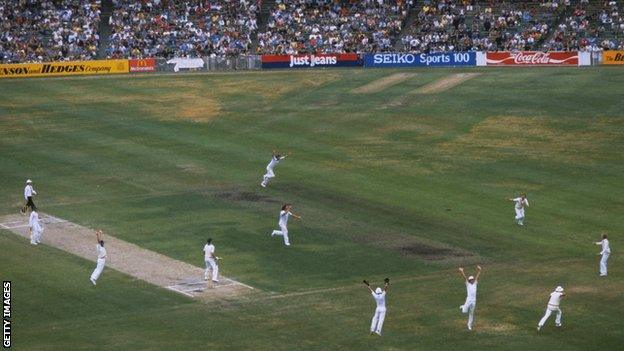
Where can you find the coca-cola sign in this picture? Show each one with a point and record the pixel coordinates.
(533, 58)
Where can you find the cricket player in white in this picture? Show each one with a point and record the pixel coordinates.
(35, 228)
(379, 295)
(471, 295)
(275, 160)
(553, 306)
(211, 261)
(605, 252)
(521, 203)
(101, 257)
(283, 222)
(29, 192)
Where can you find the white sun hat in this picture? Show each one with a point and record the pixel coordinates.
(378, 290)
(28, 181)
(471, 278)
(559, 289)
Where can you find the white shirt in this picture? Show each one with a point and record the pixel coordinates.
(380, 299)
(471, 291)
(555, 297)
(605, 246)
(283, 218)
(101, 252)
(29, 191)
(520, 203)
(33, 221)
(209, 251)
(274, 161)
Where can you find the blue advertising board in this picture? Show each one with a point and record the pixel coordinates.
(438, 59)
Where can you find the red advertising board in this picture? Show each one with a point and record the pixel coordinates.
(533, 58)
(142, 65)
(311, 60)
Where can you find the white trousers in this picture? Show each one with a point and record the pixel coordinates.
(269, 174)
(549, 311)
(211, 265)
(98, 269)
(519, 214)
(378, 320)
(35, 235)
(603, 264)
(469, 307)
(283, 232)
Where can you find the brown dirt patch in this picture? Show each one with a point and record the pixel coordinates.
(534, 137)
(179, 100)
(517, 185)
(583, 289)
(243, 196)
(429, 252)
(191, 168)
(128, 258)
(272, 89)
(415, 247)
(434, 87)
(446, 83)
(486, 325)
(383, 83)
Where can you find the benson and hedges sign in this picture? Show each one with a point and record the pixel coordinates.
(611, 57)
(64, 68)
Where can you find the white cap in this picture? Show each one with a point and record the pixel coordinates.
(378, 290)
(28, 181)
(471, 278)
(559, 289)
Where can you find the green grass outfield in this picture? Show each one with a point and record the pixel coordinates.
(407, 190)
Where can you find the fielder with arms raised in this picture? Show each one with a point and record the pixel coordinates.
(275, 160)
(379, 295)
(101, 257)
(471, 295)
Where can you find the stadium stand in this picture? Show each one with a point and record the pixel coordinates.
(161, 28)
(449, 25)
(55, 30)
(591, 26)
(326, 26)
(35, 30)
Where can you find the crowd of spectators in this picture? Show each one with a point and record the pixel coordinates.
(194, 28)
(333, 26)
(55, 30)
(590, 26)
(46, 30)
(448, 25)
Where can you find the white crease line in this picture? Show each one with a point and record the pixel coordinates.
(4, 226)
(180, 291)
(12, 222)
(59, 220)
(245, 285)
(194, 283)
(16, 226)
